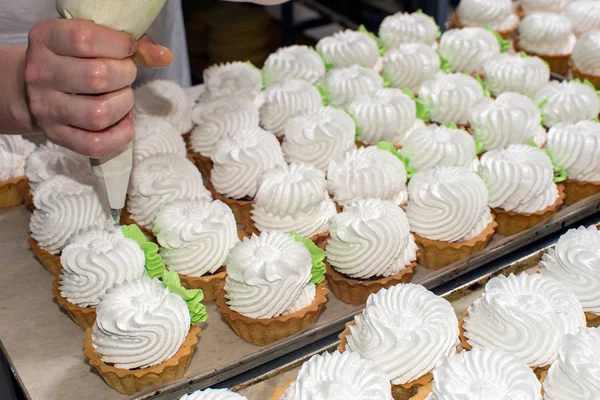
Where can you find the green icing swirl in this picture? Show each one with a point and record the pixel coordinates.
(154, 262)
(317, 256)
(387, 146)
(193, 297)
(422, 110)
(444, 63)
(380, 45)
(357, 131)
(504, 44)
(486, 91)
(324, 94)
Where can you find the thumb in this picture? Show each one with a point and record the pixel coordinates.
(152, 55)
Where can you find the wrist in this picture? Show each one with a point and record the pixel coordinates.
(15, 117)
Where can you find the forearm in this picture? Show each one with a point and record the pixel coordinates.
(15, 117)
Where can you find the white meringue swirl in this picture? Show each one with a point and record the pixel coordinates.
(233, 79)
(344, 84)
(576, 148)
(402, 28)
(498, 15)
(213, 394)
(567, 102)
(293, 62)
(13, 152)
(401, 138)
(167, 100)
(549, 6)
(514, 73)
(547, 34)
(348, 48)
(584, 16)
(409, 65)
(586, 53)
(468, 49)
(153, 135)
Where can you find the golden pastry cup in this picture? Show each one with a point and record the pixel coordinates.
(50, 261)
(280, 391)
(320, 239)
(132, 381)
(126, 219)
(559, 64)
(436, 254)
(579, 190)
(262, 332)
(506, 34)
(405, 391)
(13, 192)
(241, 210)
(592, 320)
(356, 292)
(85, 317)
(578, 74)
(28, 200)
(208, 283)
(204, 164)
(511, 223)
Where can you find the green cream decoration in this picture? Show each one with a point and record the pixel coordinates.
(540, 106)
(523, 54)
(444, 63)
(387, 146)
(317, 256)
(324, 95)
(559, 173)
(478, 146)
(374, 37)
(589, 84)
(595, 119)
(422, 110)
(193, 297)
(357, 129)
(486, 91)
(386, 82)
(453, 125)
(154, 262)
(532, 144)
(252, 65)
(504, 44)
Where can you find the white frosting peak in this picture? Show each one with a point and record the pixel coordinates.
(586, 54)
(213, 394)
(498, 15)
(468, 49)
(409, 65)
(348, 48)
(402, 28)
(13, 152)
(165, 99)
(293, 62)
(514, 73)
(343, 85)
(153, 135)
(235, 79)
(576, 148)
(567, 102)
(548, 6)
(584, 16)
(547, 34)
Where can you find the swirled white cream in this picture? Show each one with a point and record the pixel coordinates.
(406, 330)
(514, 73)
(567, 102)
(484, 374)
(546, 34)
(293, 198)
(266, 274)
(348, 48)
(576, 148)
(409, 65)
(575, 374)
(339, 376)
(195, 236)
(167, 100)
(213, 394)
(435, 145)
(401, 138)
(344, 84)
(575, 261)
(367, 172)
(240, 160)
(13, 152)
(402, 28)
(448, 204)
(233, 79)
(468, 49)
(509, 119)
(139, 324)
(519, 178)
(584, 16)
(586, 53)
(94, 261)
(449, 97)
(383, 115)
(63, 208)
(498, 15)
(287, 99)
(526, 315)
(160, 179)
(293, 62)
(319, 136)
(549, 6)
(370, 239)
(153, 135)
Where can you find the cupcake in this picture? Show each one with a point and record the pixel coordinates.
(406, 330)
(341, 86)
(319, 136)
(233, 79)
(500, 16)
(448, 212)
(567, 101)
(167, 100)
(93, 262)
(402, 28)
(409, 65)
(468, 49)
(518, 73)
(584, 16)
(213, 394)
(449, 97)
(371, 247)
(385, 115)
(143, 334)
(347, 48)
(435, 145)
(153, 135)
(159, 180)
(337, 376)
(294, 198)
(511, 118)
(550, 6)
(195, 237)
(585, 59)
(274, 287)
(63, 208)
(287, 99)
(576, 149)
(485, 373)
(13, 181)
(521, 186)
(367, 172)
(574, 375)
(293, 62)
(239, 162)
(548, 36)
(575, 261)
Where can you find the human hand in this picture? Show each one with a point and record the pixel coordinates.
(78, 78)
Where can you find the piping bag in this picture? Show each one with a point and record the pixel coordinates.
(134, 17)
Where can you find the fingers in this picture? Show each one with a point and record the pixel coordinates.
(152, 55)
(91, 76)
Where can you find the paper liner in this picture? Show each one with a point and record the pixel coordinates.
(511, 223)
(579, 190)
(280, 391)
(578, 74)
(436, 254)
(241, 210)
(405, 391)
(208, 283)
(593, 320)
(127, 220)
(132, 381)
(85, 317)
(559, 64)
(266, 331)
(50, 261)
(12, 192)
(356, 292)
(506, 34)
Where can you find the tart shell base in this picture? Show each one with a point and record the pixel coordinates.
(559, 64)
(578, 74)
(13, 192)
(50, 261)
(579, 190)
(506, 34)
(85, 317)
(208, 283)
